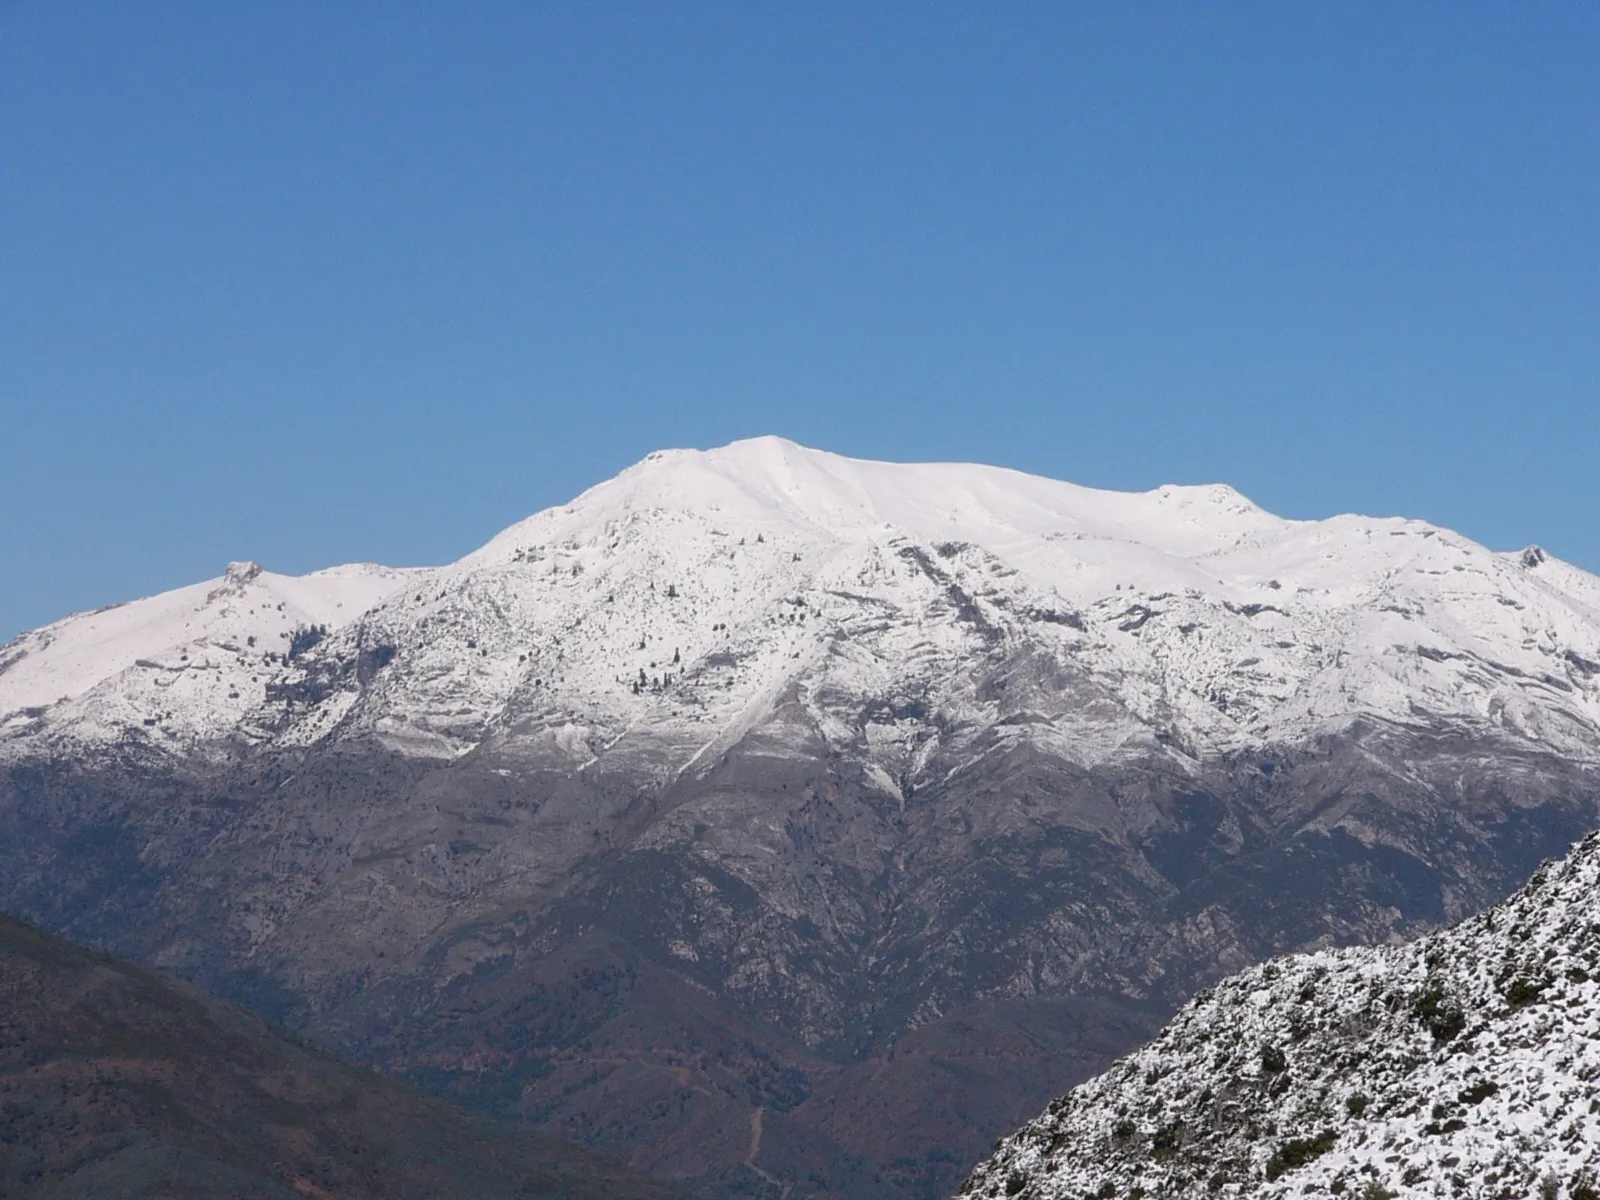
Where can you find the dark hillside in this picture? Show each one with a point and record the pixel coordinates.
(115, 1081)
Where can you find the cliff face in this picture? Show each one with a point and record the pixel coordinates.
(1464, 1064)
(783, 822)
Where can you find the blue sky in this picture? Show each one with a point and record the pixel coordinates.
(313, 283)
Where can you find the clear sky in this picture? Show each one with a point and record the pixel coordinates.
(312, 283)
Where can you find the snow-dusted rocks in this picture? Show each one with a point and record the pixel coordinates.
(1464, 1064)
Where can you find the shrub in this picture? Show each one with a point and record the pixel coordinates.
(1357, 1104)
(375, 658)
(1524, 990)
(1297, 1152)
(1444, 1019)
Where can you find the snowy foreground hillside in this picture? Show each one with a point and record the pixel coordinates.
(1465, 1064)
(683, 598)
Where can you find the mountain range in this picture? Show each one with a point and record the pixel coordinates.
(794, 825)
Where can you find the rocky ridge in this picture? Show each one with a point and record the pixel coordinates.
(1466, 1064)
(178, 671)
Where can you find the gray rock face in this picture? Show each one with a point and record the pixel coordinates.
(794, 826)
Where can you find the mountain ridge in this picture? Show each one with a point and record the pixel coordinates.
(1200, 604)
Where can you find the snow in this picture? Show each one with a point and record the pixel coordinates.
(179, 654)
(1465, 1064)
(772, 480)
(1186, 616)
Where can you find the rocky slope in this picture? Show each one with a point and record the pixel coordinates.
(116, 1081)
(792, 823)
(1464, 1064)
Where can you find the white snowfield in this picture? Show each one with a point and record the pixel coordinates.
(1466, 1064)
(680, 604)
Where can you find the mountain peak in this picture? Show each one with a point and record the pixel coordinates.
(870, 755)
(240, 573)
(772, 478)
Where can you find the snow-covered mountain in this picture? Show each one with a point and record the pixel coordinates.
(854, 808)
(679, 600)
(1465, 1064)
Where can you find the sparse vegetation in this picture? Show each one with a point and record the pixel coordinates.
(1297, 1152)
(112, 1072)
(1219, 1080)
(1524, 990)
(304, 638)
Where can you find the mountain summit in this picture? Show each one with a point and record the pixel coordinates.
(785, 821)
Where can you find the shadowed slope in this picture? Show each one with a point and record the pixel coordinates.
(114, 1075)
